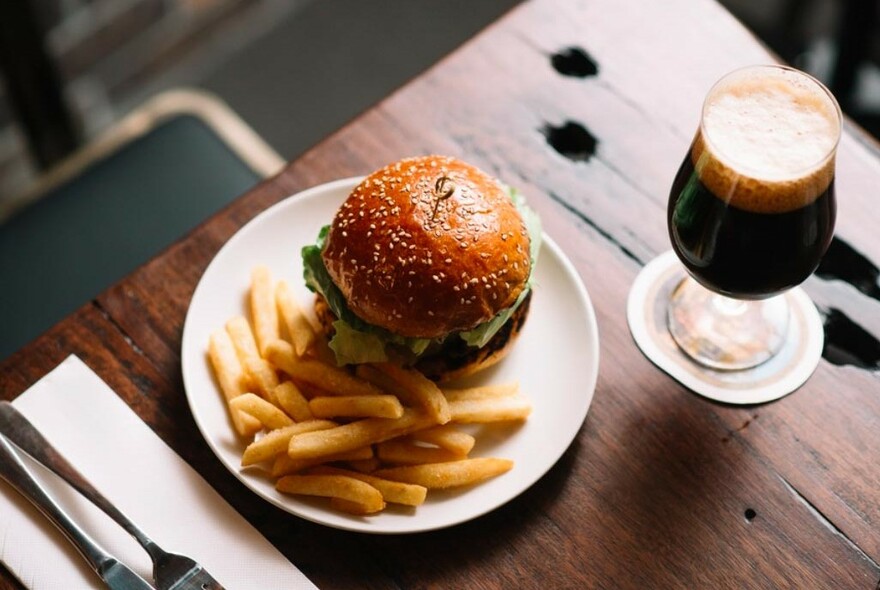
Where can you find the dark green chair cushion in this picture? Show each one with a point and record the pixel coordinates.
(62, 251)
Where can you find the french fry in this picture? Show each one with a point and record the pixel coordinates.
(481, 392)
(394, 492)
(448, 475)
(320, 351)
(401, 441)
(503, 409)
(333, 486)
(230, 375)
(299, 328)
(355, 435)
(356, 406)
(349, 507)
(271, 417)
(365, 465)
(333, 380)
(243, 338)
(309, 391)
(446, 437)
(385, 383)
(288, 396)
(264, 311)
(284, 465)
(275, 442)
(403, 452)
(226, 366)
(262, 377)
(425, 392)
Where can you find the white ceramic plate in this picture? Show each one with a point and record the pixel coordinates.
(556, 361)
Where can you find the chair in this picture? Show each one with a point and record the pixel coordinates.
(102, 208)
(117, 202)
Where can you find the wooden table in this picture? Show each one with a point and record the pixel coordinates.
(661, 488)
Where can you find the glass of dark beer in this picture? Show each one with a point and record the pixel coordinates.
(751, 212)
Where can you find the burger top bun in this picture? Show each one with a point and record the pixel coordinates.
(427, 246)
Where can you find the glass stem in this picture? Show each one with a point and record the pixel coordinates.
(725, 333)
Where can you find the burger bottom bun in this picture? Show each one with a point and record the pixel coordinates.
(456, 360)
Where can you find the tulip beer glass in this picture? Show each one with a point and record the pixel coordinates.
(751, 212)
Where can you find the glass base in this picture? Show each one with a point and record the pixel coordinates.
(724, 333)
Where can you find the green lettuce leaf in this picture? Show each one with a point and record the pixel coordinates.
(482, 334)
(532, 221)
(353, 347)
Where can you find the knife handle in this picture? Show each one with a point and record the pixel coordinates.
(17, 475)
(17, 428)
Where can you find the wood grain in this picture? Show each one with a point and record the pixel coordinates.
(661, 488)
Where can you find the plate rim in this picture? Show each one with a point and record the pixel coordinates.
(590, 383)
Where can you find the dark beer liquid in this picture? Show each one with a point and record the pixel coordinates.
(746, 254)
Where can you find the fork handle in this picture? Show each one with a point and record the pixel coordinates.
(17, 475)
(17, 428)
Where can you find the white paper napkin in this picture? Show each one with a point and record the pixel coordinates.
(136, 470)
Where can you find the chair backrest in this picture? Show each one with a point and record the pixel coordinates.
(97, 226)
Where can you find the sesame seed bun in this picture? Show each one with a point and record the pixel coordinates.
(427, 246)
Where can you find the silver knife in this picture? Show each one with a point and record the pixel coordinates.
(114, 573)
(171, 571)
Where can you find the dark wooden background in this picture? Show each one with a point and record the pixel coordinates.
(588, 107)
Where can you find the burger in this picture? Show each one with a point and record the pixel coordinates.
(428, 263)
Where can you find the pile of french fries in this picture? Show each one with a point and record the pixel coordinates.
(364, 438)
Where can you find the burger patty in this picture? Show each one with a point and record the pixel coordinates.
(456, 358)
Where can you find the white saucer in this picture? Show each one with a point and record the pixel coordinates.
(779, 376)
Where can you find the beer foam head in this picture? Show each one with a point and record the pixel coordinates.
(767, 139)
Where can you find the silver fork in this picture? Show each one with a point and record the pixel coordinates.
(108, 568)
(170, 571)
